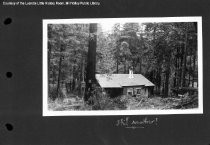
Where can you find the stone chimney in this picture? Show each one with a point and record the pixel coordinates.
(130, 73)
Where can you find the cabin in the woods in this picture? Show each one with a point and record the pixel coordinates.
(125, 84)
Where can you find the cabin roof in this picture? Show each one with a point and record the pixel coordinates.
(122, 80)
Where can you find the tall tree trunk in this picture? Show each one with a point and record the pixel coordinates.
(82, 91)
(194, 67)
(167, 80)
(59, 71)
(73, 79)
(184, 62)
(159, 79)
(194, 56)
(189, 78)
(91, 61)
(195, 26)
(181, 67)
(54, 77)
(117, 65)
(175, 75)
(125, 66)
(51, 71)
(140, 65)
(163, 84)
(49, 57)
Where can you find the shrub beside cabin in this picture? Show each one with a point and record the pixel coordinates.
(125, 84)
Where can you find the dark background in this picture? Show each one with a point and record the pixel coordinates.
(21, 94)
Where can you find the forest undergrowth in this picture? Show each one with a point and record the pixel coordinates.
(99, 101)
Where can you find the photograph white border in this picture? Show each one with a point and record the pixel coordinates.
(47, 112)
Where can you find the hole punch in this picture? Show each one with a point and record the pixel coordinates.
(7, 21)
(9, 74)
(9, 126)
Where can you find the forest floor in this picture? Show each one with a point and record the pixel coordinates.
(126, 103)
(159, 103)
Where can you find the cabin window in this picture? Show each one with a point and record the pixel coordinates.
(138, 91)
(130, 91)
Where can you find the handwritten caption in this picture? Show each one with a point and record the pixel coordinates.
(127, 122)
(51, 3)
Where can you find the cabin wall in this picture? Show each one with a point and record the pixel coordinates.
(144, 91)
(114, 92)
(125, 91)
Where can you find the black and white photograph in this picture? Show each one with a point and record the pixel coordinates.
(122, 66)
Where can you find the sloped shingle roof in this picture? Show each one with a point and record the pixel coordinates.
(122, 80)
